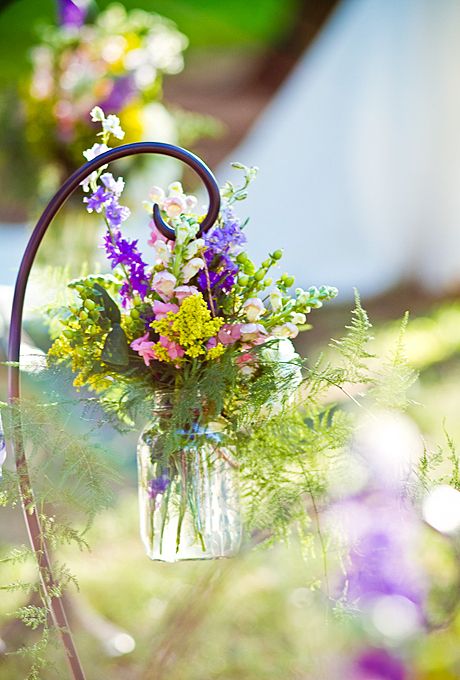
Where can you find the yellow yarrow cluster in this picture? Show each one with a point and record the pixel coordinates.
(191, 327)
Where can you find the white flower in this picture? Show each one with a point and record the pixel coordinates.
(116, 186)
(252, 331)
(88, 181)
(95, 150)
(185, 231)
(164, 283)
(254, 308)
(111, 124)
(192, 268)
(175, 189)
(193, 247)
(287, 330)
(162, 252)
(157, 195)
(276, 299)
(286, 364)
(97, 114)
(298, 318)
(191, 202)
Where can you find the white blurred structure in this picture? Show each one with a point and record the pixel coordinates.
(359, 152)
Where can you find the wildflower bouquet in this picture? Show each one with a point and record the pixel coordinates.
(193, 331)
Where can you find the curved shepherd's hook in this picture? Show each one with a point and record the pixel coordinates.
(15, 441)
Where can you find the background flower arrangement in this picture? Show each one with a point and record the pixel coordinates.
(115, 58)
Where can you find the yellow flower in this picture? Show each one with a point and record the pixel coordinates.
(216, 351)
(193, 322)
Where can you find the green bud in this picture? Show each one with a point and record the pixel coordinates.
(241, 258)
(277, 255)
(268, 282)
(249, 268)
(243, 280)
(90, 304)
(68, 333)
(266, 263)
(83, 315)
(135, 314)
(259, 275)
(289, 281)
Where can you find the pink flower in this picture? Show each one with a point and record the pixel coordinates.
(160, 309)
(144, 347)
(174, 206)
(247, 363)
(212, 342)
(175, 351)
(155, 235)
(229, 333)
(253, 332)
(181, 292)
(163, 283)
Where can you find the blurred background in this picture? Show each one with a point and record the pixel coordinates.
(350, 109)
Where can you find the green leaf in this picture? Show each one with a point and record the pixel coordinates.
(115, 350)
(110, 307)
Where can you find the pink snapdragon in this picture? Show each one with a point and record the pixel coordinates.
(253, 333)
(181, 292)
(229, 333)
(144, 347)
(160, 309)
(155, 235)
(247, 363)
(164, 283)
(174, 205)
(174, 350)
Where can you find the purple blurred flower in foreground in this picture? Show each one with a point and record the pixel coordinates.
(2, 449)
(72, 13)
(158, 485)
(384, 576)
(378, 664)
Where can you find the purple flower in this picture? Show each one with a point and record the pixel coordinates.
(121, 251)
(116, 213)
(227, 239)
(97, 200)
(2, 449)
(379, 664)
(122, 91)
(158, 485)
(383, 549)
(72, 13)
(221, 242)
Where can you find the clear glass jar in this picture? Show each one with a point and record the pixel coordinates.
(189, 499)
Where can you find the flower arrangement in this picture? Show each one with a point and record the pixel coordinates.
(115, 58)
(200, 298)
(193, 319)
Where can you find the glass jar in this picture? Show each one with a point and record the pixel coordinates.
(188, 499)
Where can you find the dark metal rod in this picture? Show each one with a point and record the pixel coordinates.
(15, 443)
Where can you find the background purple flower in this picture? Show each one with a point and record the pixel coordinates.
(122, 91)
(72, 13)
(378, 664)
